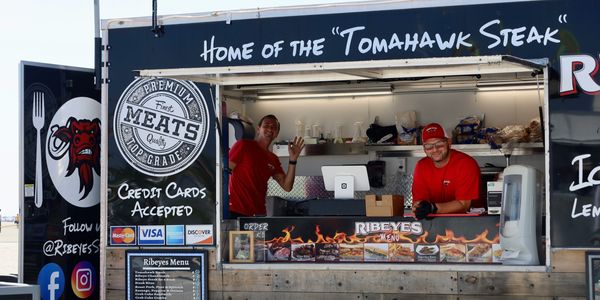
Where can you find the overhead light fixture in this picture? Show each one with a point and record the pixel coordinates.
(437, 87)
(507, 88)
(514, 85)
(505, 82)
(322, 94)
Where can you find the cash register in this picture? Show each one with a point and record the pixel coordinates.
(344, 181)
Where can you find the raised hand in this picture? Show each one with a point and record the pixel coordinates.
(295, 147)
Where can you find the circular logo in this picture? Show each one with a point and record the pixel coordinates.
(51, 280)
(161, 125)
(83, 279)
(73, 151)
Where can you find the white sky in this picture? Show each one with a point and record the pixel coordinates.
(62, 32)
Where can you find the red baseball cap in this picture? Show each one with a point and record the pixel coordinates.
(433, 131)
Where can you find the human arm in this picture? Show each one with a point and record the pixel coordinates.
(286, 181)
(421, 192)
(455, 206)
(423, 208)
(235, 155)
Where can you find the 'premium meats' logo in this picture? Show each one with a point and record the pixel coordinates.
(161, 125)
(73, 151)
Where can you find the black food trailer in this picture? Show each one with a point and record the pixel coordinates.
(524, 68)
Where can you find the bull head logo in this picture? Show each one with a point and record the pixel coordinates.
(81, 139)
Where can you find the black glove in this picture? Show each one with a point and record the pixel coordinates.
(425, 208)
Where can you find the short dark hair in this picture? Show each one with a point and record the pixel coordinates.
(272, 117)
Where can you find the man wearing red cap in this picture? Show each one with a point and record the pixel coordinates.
(447, 180)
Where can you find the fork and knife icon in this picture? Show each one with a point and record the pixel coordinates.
(38, 122)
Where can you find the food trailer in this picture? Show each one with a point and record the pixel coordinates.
(514, 81)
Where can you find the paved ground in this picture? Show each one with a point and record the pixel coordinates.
(9, 249)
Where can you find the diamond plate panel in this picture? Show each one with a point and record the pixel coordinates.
(310, 187)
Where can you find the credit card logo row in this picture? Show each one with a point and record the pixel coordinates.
(161, 235)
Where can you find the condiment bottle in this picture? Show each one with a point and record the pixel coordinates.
(299, 128)
(357, 138)
(322, 139)
(307, 132)
(316, 130)
(338, 135)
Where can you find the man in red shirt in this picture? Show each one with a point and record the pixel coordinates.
(252, 164)
(447, 180)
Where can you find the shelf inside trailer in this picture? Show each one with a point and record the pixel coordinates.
(471, 149)
(410, 151)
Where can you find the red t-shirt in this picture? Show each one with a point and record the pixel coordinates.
(457, 180)
(248, 182)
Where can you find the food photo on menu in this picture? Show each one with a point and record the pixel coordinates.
(327, 252)
(479, 253)
(303, 252)
(401, 252)
(427, 253)
(453, 253)
(278, 251)
(376, 251)
(497, 252)
(351, 252)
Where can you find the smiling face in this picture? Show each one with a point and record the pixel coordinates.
(268, 129)
(438, 150)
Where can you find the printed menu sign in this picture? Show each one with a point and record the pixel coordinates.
(166, 275)
(381, 239)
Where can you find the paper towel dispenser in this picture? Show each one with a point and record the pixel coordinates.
(520, 215)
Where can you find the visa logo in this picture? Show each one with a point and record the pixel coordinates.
(151, 235)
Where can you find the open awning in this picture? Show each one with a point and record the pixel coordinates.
(353, 71)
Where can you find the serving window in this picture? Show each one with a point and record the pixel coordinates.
(327, 94)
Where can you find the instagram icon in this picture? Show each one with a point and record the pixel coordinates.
(83, 279)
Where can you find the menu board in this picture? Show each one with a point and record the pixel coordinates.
(166, 275)
(464, 239)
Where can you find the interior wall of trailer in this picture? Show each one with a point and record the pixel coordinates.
(499, 108)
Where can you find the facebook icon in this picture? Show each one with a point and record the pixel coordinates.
(51, 280)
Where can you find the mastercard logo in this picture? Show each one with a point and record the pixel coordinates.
(122, 235)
